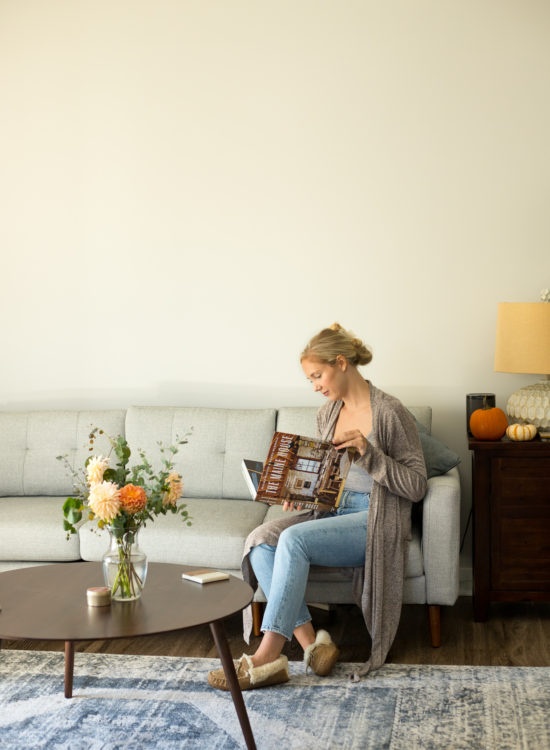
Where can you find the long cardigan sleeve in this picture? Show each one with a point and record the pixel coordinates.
(395, 461)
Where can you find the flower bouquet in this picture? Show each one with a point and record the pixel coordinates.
(122, 499)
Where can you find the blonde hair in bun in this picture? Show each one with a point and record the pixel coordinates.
(333, 341)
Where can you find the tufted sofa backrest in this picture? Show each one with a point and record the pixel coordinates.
(302, 420)
(219, 439)
(30, 442)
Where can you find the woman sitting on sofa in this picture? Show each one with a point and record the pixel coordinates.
(366, 532)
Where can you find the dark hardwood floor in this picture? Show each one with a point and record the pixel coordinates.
(515, 634)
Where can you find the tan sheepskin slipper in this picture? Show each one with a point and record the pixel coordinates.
(251, 677)
(322, 655)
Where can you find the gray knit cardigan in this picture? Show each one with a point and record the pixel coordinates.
(395, 461)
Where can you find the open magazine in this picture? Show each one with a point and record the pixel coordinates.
(303, 470)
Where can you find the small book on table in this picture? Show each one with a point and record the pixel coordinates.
(205, 575)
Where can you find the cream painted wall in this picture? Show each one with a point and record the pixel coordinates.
(190, 190)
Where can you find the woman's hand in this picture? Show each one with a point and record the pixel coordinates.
(292, 506)
(351, 439)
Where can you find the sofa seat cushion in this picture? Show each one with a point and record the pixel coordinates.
(415, 563)
(31, 528)
(215, 538)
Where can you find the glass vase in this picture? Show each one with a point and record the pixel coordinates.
(124, 566)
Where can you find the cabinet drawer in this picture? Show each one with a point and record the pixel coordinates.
(520, 483)
(521, 554)
(520, 523)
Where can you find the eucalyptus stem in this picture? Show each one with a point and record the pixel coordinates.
(127, 579)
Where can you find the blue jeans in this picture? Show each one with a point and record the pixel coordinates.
(337, 540)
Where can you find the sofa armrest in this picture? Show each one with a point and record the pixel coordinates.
(441, 538)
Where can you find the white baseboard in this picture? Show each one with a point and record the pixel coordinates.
(466, 581)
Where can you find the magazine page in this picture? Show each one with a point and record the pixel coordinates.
(252, 471)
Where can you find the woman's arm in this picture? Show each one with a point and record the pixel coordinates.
(397, 461)
(398, 465)
(403, 475)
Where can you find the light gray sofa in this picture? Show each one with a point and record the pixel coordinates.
(33, 486)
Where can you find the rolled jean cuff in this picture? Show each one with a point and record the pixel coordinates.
(275, 629)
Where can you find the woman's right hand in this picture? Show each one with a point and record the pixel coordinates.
(353, 439)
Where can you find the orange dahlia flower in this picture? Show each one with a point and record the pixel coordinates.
(175, 489)
(132, 498)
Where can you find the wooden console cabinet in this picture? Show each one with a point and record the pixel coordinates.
(511, 522)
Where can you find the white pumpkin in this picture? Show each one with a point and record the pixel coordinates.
(521, 431)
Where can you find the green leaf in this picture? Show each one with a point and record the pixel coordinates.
(69, 527)
(122, 450)
(71, 504)
(72, 510)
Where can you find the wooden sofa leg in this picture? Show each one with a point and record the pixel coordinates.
(257, 612)
(434, 616)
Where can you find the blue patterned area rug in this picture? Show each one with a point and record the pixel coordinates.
(139, 702)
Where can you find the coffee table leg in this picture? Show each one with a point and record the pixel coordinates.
(69, 668)
(229, 669)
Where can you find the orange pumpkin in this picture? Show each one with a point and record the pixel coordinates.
(488, 423)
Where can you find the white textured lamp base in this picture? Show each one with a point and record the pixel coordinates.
(531, 404)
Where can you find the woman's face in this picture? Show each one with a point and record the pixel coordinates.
(326, 379)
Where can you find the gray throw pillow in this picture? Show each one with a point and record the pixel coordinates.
(439, 459)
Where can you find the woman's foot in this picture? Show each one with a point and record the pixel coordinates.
(251, 677)
(322, 655)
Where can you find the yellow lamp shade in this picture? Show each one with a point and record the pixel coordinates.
(523, 338)
(523, 346)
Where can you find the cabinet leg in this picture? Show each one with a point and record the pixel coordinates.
(481, 610)
(434, 616)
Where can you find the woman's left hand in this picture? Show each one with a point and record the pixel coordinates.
(351, 439)
(288, 506)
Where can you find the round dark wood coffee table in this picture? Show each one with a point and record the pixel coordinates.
(48, 602)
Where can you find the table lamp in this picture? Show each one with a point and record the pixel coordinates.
(523, 346)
